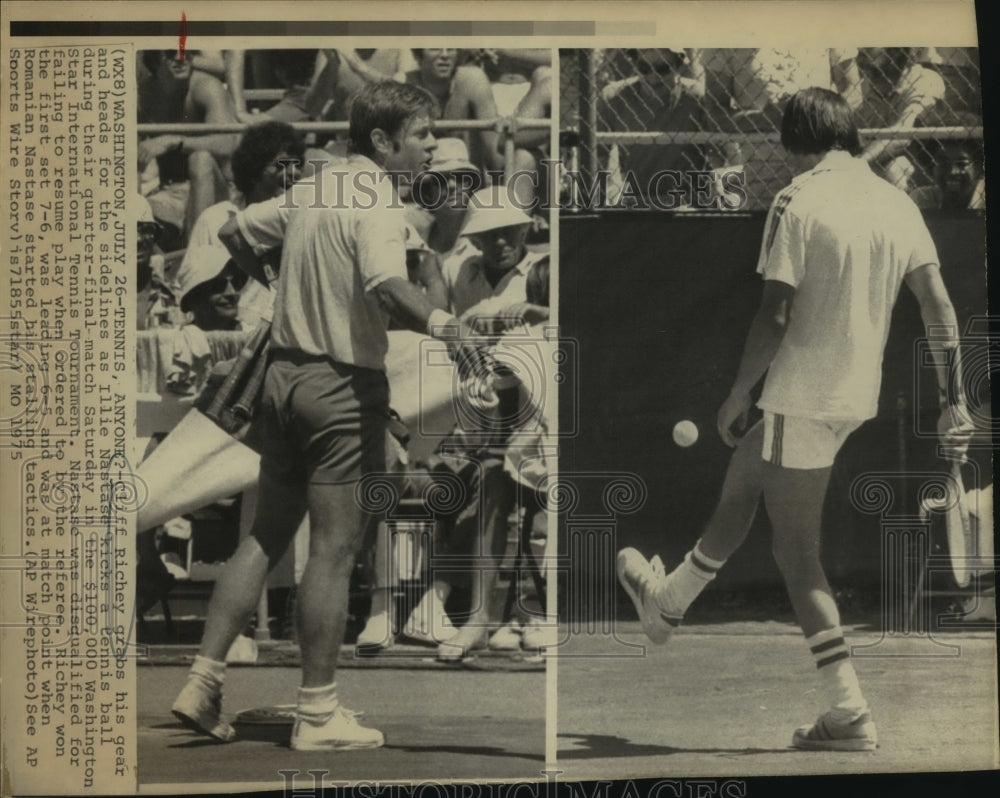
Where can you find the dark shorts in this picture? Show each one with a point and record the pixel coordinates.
(322, 421)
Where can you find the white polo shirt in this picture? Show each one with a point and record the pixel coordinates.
(845, 239)
(341, 237)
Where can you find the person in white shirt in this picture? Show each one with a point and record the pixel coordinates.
(325, 402)
(838, 245)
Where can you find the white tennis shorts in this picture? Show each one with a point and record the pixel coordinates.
(793, 442)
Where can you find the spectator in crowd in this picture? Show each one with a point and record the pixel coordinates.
(423, 267)
(342, 73)
(440, 199)
(290, 70)
(756, 84)
(521, 81)
(209, 286)
(958, 177)
(487, 290)
(527, 461)
(155, 303)
(909, 91)
(268, 160)
(189, 169)
(462, 92)
(656, 98)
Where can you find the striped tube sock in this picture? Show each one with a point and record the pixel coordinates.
(686, 581)
(317, 704)
(840, 682)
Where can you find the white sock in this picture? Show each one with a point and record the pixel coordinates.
(317, 704)
(210, 671)
(840, 682)
(380, 601)
(686, 581)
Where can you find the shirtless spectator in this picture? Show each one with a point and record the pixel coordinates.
(190, 168)
(290, 70)
(521, 81)
(342, 73)
(914, 90)
(462, 92)
(755, 85)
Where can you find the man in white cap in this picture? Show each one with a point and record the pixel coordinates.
(486, 278)
(208, 288)
(441, 196)
(487, 287)
(155, 304)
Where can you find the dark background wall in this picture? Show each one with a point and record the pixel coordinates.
(659, 306)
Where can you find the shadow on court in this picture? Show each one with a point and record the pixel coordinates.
(591, 746)
(724, 701)
(438, 724)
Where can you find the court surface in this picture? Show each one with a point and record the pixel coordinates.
(440, 723)
(724, 699)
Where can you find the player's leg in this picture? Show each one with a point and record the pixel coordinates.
(794, 492)
(662, 599)
(794, 501)
(280, 509)
(339, 423)
(336, 525)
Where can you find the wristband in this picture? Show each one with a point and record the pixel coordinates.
(442, 319)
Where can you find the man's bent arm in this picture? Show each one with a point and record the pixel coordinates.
(242, 252)
(766, 333)
(409, 306)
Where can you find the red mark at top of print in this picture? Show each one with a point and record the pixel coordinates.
(182, 39)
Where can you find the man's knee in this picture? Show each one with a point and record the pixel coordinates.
(541, 75)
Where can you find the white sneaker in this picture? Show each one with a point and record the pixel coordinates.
(506, 638)
(377, 634)
(199, 707)
(423, 627)
(341, 732)
(830, 734)
(641, 579)
(538, 635)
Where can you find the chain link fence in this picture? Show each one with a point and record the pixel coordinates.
(700, 128)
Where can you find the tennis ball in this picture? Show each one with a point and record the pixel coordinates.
(685, 433)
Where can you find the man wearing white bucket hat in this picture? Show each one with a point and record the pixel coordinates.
(486, 282)
(487, 287)
(325, 398)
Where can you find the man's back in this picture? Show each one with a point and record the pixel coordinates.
(341, 237)
(845, 239)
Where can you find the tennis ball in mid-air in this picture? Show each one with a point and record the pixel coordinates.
(685, 433)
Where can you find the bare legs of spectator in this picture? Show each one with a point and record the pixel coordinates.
(377, 633)
(208, 186)
(498, 497)
(536, 104)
